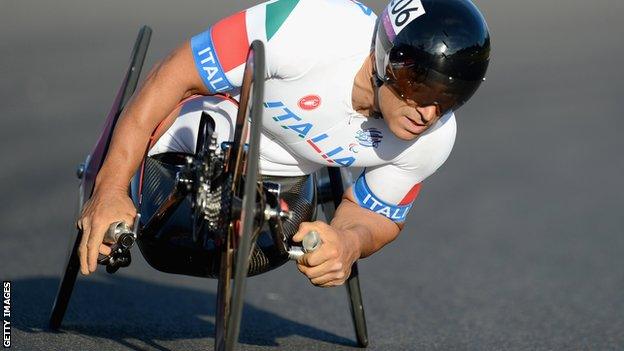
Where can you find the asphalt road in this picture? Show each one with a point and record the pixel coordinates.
(515, 244)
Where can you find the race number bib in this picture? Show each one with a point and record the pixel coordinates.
(402, 12)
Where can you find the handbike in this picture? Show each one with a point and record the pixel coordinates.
(203, 214)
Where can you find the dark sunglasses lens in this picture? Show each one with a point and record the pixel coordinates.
(428, 87)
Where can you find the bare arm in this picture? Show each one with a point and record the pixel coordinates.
(166, 85)
(169, 82)
(370, 231)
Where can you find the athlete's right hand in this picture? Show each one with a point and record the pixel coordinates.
(105, 207)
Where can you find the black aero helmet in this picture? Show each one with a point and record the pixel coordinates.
(434, 52)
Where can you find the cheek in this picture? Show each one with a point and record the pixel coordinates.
(387, 104)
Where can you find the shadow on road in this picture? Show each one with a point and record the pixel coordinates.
(120, 308)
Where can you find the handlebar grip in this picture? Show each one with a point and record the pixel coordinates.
(311, 241)
(122, 238)
(116, 230)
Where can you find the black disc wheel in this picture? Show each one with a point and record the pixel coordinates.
(245, 206)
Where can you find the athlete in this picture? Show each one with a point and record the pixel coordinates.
(344, 88)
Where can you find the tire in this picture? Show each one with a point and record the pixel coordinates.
(356, 304)
(90, 169)
(242, 231)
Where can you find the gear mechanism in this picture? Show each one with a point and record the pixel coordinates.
(209, 201)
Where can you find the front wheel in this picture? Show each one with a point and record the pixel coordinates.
(243, 228)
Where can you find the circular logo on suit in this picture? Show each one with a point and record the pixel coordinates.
(310, 102)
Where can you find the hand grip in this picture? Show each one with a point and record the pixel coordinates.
(115, 230)
(122, 238)
(311, 241)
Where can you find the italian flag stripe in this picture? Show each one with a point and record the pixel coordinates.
(229, 37)
(411, 195)
(276, 14)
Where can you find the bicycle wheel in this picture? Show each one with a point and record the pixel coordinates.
(243, 227)
(356, 305)
(89, 170)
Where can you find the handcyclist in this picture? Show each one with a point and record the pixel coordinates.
(344, 88)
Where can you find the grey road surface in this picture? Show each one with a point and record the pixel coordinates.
(515, 244)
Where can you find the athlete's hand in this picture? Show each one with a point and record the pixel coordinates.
(330, 264)
(105, 207)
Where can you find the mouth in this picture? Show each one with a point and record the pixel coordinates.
(414, 127)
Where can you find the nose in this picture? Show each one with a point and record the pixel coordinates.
(428, 113)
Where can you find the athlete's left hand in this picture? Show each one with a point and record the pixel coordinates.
(330, 265)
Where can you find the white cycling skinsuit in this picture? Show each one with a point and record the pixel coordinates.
(314, 48)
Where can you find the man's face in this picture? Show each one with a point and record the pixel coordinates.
(404, 117)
